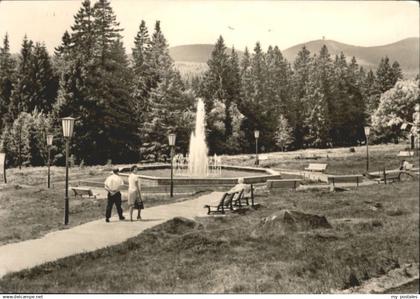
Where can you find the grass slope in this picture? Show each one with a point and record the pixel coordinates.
(374, 229)
(339, 160)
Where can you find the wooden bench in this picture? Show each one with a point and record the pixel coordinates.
(80, 191)
(244, 196)
(229, 202)
(319, 167)
(333, 179)
(283, 184)
(224, 203)
(406, 154)
(390, 176)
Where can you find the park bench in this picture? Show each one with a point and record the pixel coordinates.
(224, 203)
(319, 167)
(406, 154)
(390, 176)
(80, 191)
(229, 201)
(283, 184)
(244, 196)
(349, 178)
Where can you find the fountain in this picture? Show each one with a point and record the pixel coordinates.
(195, 171)
(198, 161)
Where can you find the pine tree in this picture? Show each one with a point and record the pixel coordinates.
(220, 85)
(141, 48)
(284, 133)
(217, 75)
(319, 101)
(95, 87)
(167, 102)
(255, 104)
(347, 118)
(7, 78)
(396, 71)
(106, 30)
(36, 85)
(23, 91)
(233, 91)
(278, 82)
(385, 79)
(160, 61)
(300, 77)
(142, 82)
(353, 72)
(316, 121)
(45, 83)
(82, 41)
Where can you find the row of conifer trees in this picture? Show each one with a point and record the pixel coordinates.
(126, 106)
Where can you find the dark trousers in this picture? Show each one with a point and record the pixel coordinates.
(116, 198)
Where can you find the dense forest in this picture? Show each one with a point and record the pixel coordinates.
(125, 107)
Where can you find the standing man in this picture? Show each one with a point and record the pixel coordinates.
(113, 184)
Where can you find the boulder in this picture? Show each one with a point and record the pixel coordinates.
(179, 225)
(303, 221)
(286, 220)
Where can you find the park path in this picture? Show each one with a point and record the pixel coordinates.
(95, 235)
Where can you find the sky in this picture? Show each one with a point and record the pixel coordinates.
(241, 23)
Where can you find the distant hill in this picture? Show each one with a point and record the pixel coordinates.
(406, 52)
(195, 53)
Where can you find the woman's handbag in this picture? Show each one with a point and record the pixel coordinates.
(138, 203)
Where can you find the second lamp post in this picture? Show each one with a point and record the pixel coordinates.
(68, 124)
(367, 132)
(256, 135)
(49, 143)
(171, 139)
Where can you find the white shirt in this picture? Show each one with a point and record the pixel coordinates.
(132, 182)
(114, 183)
(237, 188)
(406, 165)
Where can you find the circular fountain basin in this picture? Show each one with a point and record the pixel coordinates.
(160, 175)
(156, 179)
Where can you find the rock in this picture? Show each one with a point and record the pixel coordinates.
(179, 225)
(283, 221)
(303, 221)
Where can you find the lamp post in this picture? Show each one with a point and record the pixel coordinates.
(171, 139)
(256, 135)
(68, 124)
(49, 143)
(367, 132)
(416, 120)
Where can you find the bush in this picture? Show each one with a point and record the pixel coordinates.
(25, 141)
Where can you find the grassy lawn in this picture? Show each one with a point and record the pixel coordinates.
(374, 229)
(32, 176)
(31, 212)
(340, 161)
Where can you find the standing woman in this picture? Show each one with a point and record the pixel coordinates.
(134, 195)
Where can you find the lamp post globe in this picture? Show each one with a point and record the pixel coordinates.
(367, 133)
(171, 140)
(49, 143)
(68, 125)
(256, 135)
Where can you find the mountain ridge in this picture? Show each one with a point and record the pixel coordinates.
(405, 51)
